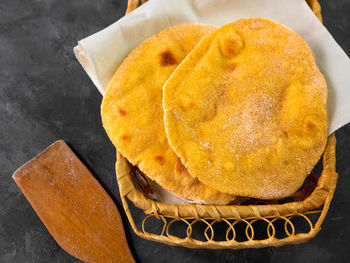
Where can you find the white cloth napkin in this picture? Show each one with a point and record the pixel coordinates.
(101, 53)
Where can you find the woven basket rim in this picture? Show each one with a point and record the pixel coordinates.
(325, 185)
(321, 195)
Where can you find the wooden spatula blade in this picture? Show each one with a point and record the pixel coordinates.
(74, 207)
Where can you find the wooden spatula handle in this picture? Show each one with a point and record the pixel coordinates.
(74, 207)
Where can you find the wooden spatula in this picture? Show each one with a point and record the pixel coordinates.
(73, 206)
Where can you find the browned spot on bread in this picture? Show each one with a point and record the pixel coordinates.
(284, 132)
(191, 105)
(167, 58)
(122, 112)
(310, 125)
(160, 159)
(231, 45)
(124, 137)
(179, 167)
(200, 132)
(231, 67)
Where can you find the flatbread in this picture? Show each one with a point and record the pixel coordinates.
(246, 110)
(132, 112)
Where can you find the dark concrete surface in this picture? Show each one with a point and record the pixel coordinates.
(45, 95)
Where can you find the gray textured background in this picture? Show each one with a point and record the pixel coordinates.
(45, 95)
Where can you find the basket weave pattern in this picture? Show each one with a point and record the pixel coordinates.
(231, 226)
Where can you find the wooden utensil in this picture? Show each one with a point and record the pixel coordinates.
(73, 206)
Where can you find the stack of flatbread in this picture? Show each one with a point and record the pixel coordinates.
(217, 115)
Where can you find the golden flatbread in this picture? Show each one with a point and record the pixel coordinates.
(246, 110)
(132, 112)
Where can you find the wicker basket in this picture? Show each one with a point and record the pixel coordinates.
(251, 225)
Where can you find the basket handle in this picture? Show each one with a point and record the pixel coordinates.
(316, 8)
(132, 5)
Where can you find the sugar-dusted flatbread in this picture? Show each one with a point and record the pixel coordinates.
(246, 110)
(132, 112)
